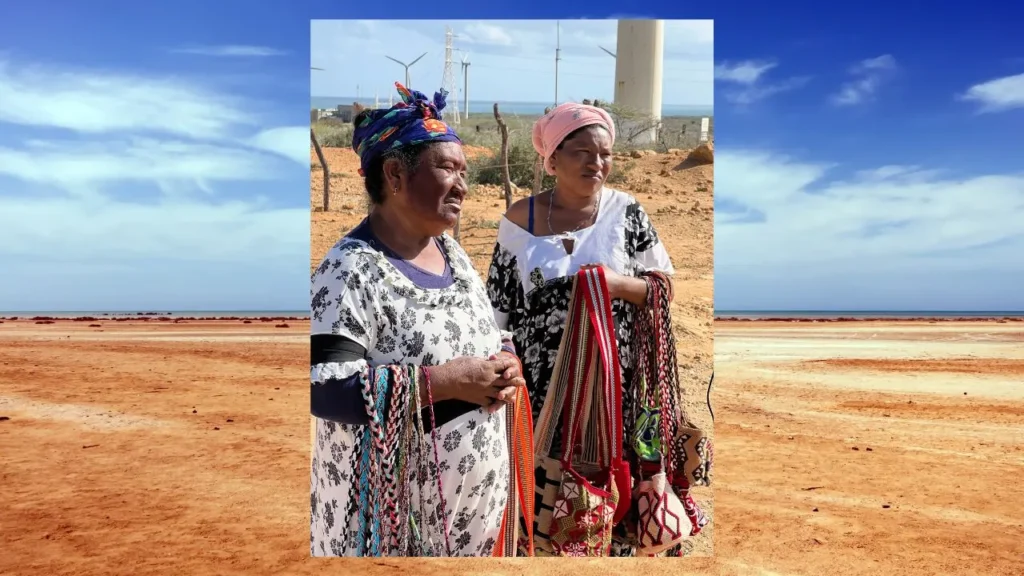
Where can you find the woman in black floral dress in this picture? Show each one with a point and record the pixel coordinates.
(398, 292)
(545, 239)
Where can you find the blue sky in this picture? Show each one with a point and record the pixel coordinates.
(157, 160)
(866, 163)
(510, 60)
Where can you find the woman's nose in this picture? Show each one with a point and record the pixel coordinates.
(461, 184)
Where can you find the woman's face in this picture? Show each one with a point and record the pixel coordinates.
(434, 191)
(583, 163)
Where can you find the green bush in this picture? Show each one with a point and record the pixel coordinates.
(333, 133)
(487, 137)
(521, 161)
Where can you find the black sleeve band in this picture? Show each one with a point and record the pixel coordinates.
(324, 348)
(336, 399)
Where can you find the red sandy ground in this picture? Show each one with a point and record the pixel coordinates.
(870, 447)
(160, 448)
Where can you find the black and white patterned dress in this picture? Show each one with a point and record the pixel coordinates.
(357, 293)
(530, 283)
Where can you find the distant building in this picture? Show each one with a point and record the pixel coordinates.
(344, 112)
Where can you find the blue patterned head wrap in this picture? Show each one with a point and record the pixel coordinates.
(414, 120)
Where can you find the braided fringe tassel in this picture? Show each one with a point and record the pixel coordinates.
(393, 441)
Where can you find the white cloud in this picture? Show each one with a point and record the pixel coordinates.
(104, 101)
(745, 72)
(757, 92)
(73, 164)
(107, 202)
(230, 51)
(868, 77)
(483, 33)
(997, 95)
(775, 212)
(291, 142)
(95, 254)
(748, 76)
(106, 230)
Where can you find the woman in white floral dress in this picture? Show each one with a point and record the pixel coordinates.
(398, 291)
(545, 239)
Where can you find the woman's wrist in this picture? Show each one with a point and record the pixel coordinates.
(628, 288)
(435, 385)
(512, 354)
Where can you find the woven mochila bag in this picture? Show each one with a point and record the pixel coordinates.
(673, 451)
(661, 516)
(586, 490)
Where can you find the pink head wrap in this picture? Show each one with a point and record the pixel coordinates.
(553, 127)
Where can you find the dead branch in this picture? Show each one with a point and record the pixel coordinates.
(506, 178)
(538, 169)
(327, 171)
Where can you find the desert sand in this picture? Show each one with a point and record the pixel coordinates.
(157, 448)
(877, 447)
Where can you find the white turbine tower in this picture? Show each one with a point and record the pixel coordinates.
(639, 59)
(465, 84)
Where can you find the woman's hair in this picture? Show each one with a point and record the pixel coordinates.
(577, 132)
(409, 156)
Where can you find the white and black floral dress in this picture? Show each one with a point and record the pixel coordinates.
(359, 294)
(530, 283)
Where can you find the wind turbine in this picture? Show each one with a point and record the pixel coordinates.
(406, 66)
(465, 81)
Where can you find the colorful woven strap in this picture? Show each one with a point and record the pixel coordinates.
(598, 351)
(519, 421)
(567, 364)
(601, 312)
(580, 377)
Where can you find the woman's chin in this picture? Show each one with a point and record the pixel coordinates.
(446, 222)
(450, 213)
(592, 185)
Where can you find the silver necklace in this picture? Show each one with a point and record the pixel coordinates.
(571, 234)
